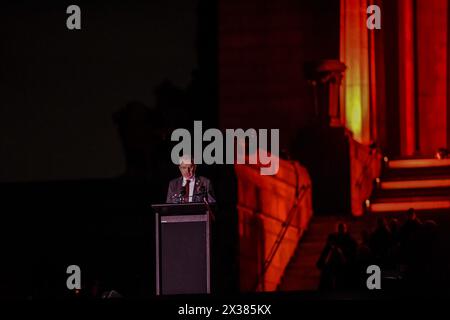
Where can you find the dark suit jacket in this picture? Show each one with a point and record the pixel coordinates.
(201, 183)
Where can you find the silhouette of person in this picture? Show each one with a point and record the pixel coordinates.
(409, 233)
(381, 241)
(337, 259)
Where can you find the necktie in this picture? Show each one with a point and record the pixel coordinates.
(186, 195)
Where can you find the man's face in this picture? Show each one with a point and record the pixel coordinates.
(187, 170)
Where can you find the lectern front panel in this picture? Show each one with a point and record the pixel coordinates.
(184, 254)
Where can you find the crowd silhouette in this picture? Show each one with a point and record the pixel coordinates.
(405, 252)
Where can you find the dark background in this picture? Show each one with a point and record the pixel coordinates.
(60, 87)
(85, 123)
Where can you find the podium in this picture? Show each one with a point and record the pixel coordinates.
(183, 237)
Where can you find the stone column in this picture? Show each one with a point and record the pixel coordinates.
(326, 76)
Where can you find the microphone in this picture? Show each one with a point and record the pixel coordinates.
(182, 194)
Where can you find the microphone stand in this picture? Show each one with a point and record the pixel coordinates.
(179, 196)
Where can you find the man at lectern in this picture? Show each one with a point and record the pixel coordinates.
(189, 187)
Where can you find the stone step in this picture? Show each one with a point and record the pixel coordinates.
(410, 193)
(423, 163)
(403, 204)
(415, 173)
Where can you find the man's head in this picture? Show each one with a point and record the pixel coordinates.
(187, 166)
(341, 228)
(411, 214)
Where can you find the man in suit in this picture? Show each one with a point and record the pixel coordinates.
(189, 187)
